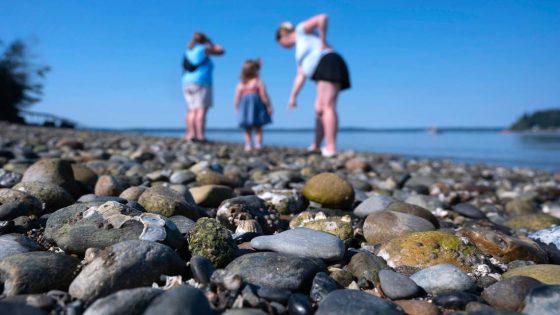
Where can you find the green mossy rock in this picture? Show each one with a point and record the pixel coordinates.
(212, 241)
(168, 202)
(341, 226)
(329, 190)
(547, 274)
(532, 222)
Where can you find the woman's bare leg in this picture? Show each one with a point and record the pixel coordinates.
(319, 129)
(248, 146)
(258, 137)
(189, 123)
(328, 92)
(200, 118)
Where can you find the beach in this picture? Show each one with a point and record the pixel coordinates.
(114, 223)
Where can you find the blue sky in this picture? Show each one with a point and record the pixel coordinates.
(413, 63)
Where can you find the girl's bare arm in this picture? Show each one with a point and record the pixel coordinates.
(264, 97)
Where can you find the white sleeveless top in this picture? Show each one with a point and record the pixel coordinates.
(308, 50)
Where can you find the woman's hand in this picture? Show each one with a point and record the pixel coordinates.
(292, 103)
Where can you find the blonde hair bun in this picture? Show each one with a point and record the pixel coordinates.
(288, 26)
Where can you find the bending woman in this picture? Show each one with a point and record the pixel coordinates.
(197, 83)
(318, 61)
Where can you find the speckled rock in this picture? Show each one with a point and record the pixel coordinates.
(329, 190)
(237, 209)
(424, 249)
(387, 225)
(503, 247)
(211, 195)
(509, 294)
(284, 201)
(52, 197)
(302, 242)
(36, 272)
(532, 222)
(547, 274)
(167, 202)
(339, 226)
(212, 241)
(108, 270)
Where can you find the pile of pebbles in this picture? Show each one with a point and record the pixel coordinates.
(107, 223)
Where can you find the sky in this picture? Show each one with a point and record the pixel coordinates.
(116, 64)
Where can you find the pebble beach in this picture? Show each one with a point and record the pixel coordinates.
(112, 223)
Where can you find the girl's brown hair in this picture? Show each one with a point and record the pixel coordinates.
(198, 38)
(250, 70)
(284, 28)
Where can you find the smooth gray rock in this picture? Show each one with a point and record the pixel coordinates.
(322, 285)
(509, 294)
(366, 265)
(245, 311)
(184, 224)
(276, 270)
(397, 286)
(125, 265)
(182, 300)
(543, 300)
(52, 170)
(11, 244)
(19, 309)
(182, 177)
(131, 302)
(372, 205)
(37, 272)
(356, 303)
(469, 211)
(429, 202)
(302, 242)
(15, 203)
(386, 225)
(442, 279)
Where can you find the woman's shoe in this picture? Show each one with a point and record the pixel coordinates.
(248, 148)
(326, 153)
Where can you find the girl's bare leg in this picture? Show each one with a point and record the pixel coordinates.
(248, 146)
(329, 94)
(258, 137)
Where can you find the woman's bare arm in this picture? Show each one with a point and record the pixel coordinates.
(321, 22)
(298, 84)
(214, 50)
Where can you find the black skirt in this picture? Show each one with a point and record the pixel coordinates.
(332, 68)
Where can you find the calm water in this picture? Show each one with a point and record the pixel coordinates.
(531, 150)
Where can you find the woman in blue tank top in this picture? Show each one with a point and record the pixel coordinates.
(317, 61)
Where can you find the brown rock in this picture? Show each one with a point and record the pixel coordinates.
(386, 225)
(108, 185)
(357, 163)
(416, 307)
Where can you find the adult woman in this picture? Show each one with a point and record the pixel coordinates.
(318, 61)
(197, 83)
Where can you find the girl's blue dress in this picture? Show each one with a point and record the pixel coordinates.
(252, 111)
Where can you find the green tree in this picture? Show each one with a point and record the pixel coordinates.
(20, 81)
(543, 119)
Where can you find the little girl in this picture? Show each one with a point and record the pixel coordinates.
(252, 103)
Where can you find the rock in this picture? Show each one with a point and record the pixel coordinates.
(341, 226)
(299, 304)
(341, 276)
(417, 307)
(84, 175)
(53, 197)
(329, 190)
(202, 269)
(549, 240)
(469, 211)
(183, 224)
(245, 311)
(373, 204)
(167, 202)
(519, 206)
(212, 241)
(184, 300)
(503, 247)
(54, 171)
(9, 179)
(547, 274)
(455, 300)
(357, 303)
(302, 242)
(237, 209)
(366, 265)
(108, 185)
(15, 203)
(109, 270)
(211, 195)
(387, 225)
(284, 201)
(20, 309)
(397, 286)
(84, 225)
(209, 177)
(412, 209)
(509, 294)
(36, 272)
(12, 244)
(276, 270)
(93, 198)
(443, 279)
(131, 301)
(357, 164)
(322, 285)
(274, 294)
(425, 249)
(431, 203)
(542, 300)
(532, 222)
(182, 177)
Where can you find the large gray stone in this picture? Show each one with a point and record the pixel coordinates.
(11, 244)
(373, 204)
(131, 302)
(356, 303)
(397, 286)
(442, 279)
(182, 300)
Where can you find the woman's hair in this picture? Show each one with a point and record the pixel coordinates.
(284, 28)
(198, 38)
(250, 70)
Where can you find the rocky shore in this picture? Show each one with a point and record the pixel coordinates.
(104, 223)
